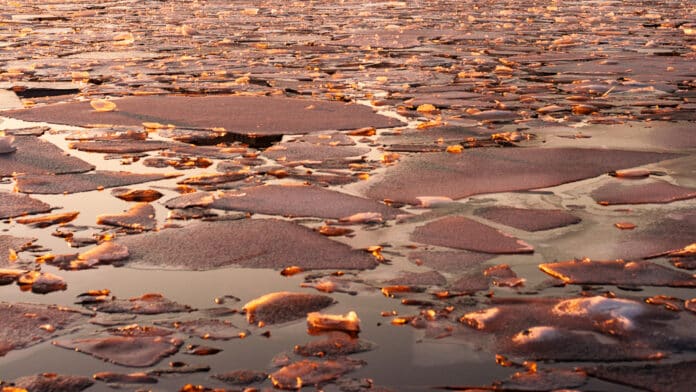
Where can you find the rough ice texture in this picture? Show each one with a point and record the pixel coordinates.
(139, 217)
(618, 272)
(145, 304)
(588, 328)
(673, 232)
(13, 205)
(284, 306)
(653, 192)
(654, 377)
(334, 344)
(301, 151)
(123, 146)
(528, 219)
(17, 330)
(463, 233)
(255, 243)
(35, 156)
(51, 382)
(481, 170)
(8, 242)
(298, 200)
(450, 261)
(124, 350)
(207, 328)
(74, 183)
(238, 114)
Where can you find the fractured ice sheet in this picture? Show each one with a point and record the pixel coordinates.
(10, 244)
(13, 205)
(125, 351)
(292, 200)
(500, 170)
(255, 243)
(207, 328)
(74, 183)
(464, 233)
(279, 307)
(239, 114)
(145, 304)
(36, 156)
(658, 377)
(618, 272)
(23, 325)
(621, 192)
(528, 219)
(139, 217)
(588, 328)
(50, 382)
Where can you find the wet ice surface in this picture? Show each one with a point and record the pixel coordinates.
(384, 196)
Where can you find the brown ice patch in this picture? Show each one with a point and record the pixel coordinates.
(618, 192)
(122, 146)
(120, 378)
(145, 304)
(463, 233)
(449, 261)
(653, 376)
(140, 217)
(537, 380)
(305, 373)
(295, 200)
(241, 377)
(295, 153)
(51, 382)
(35, 156)
(429, 278)
(24, 325)
(49, 220)
(9, 246)
(673, 232)
(137, 195)
(279, 307)
(123, 350)
(74, 183)
(528, 219)
(334, 344)
(255, 243)
(618, 272)
(13, 205)
(208, 329)
(480, 171)
(246, 115)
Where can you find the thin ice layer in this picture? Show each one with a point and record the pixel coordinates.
(464, 233)
(74, 183)
(13, 205)
(528, 219)
(500, 170)
(298, 200)
(618, 272)
(124, 350)
(20, 329)
(248, 115)
(619, 192)
(652, 376)
(9, 244)
(36, 156)
(255, 243)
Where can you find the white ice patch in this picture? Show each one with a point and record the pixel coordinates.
(536, 334)
(622, 310)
